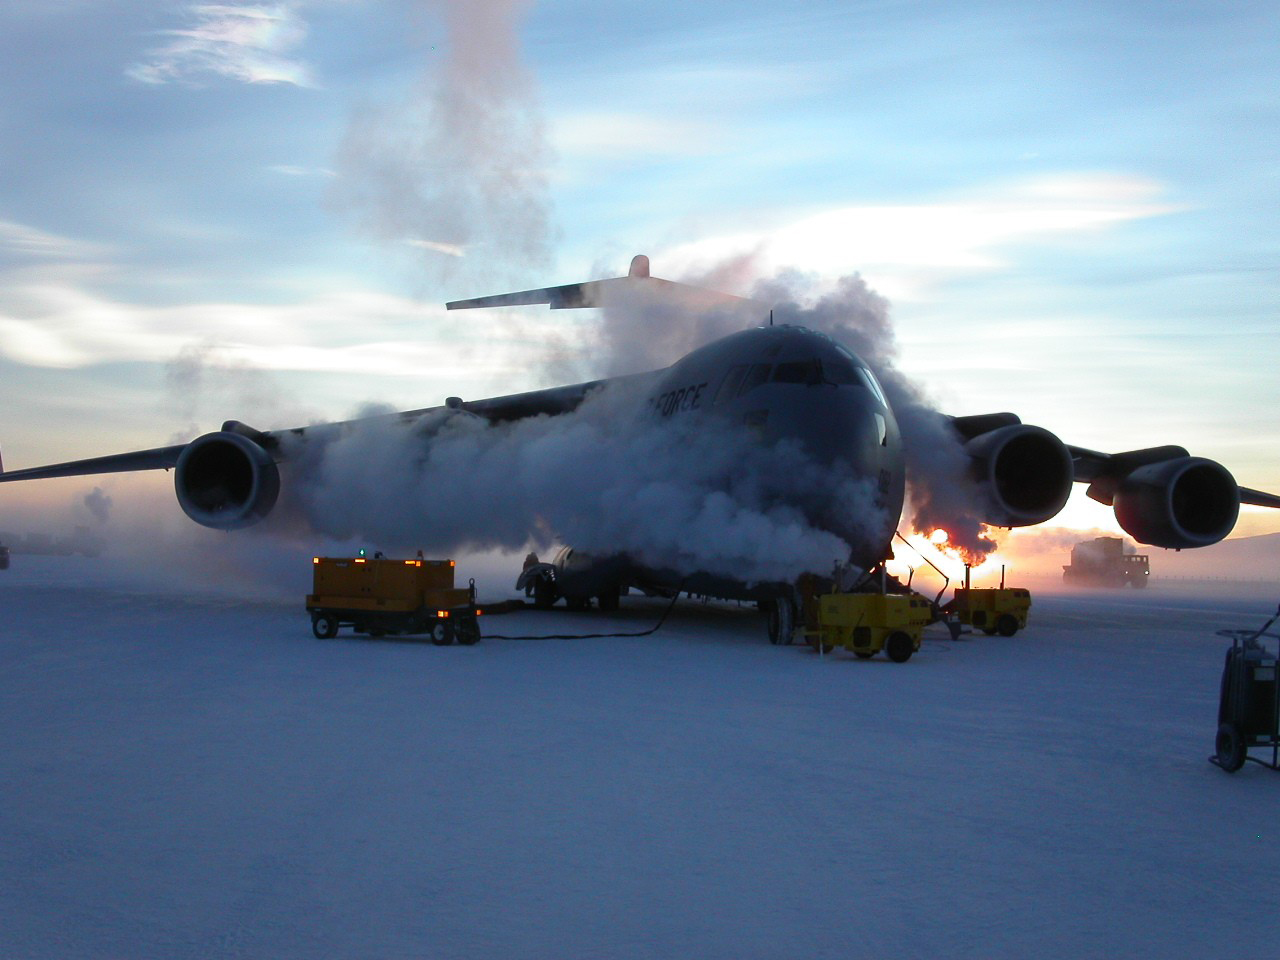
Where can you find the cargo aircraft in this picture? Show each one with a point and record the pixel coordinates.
(783, 382)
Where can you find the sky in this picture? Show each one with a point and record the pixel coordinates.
(257, 210)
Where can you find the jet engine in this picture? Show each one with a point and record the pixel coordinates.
(1026, 473)
(226, 481)
(1183, 502)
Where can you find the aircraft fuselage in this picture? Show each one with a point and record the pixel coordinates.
(784, 384)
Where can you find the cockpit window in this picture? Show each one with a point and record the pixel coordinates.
(873, 385)
(799, 371)
(758, 374)
(837, 371)
(840, 370)
(730, 384)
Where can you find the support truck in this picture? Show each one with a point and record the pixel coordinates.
(1102, 562)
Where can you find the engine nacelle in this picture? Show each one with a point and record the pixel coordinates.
(1026, 473)
(1185, 502)
(226, 481)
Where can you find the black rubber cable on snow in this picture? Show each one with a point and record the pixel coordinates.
(589, 636)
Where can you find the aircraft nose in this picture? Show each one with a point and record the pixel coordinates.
(838, 423)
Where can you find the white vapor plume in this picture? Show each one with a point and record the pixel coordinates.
(605, 478)
(202, 376)
(691, 495)
(941, 494)
(98, 503)
(641, 330)
(459, 171)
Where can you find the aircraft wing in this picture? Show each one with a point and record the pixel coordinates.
(1103, 470)
(1161, 495)
(158, 458)
(549, 402)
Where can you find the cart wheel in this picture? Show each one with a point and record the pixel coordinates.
(820, 647)
(1007, 625)
(324, 626)
(468, 632)
(782, 621)
(990, 631)
(899, 647)
(1230, 747)
(441, 635)
(863, 654)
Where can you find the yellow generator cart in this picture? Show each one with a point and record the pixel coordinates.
(380, 596)
(1002, 611)
(866, 623)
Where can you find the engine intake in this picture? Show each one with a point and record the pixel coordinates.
(1026, 473)
(226, 481)
(1185, 502)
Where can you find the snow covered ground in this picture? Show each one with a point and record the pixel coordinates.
(197, 776)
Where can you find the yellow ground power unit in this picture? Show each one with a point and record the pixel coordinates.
(381, 596)
(866, 623)
(991, 610)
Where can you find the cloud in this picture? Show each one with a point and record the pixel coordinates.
(904, 248)
(251, 43)
(629, 136)
(21, 242)
(61, 325)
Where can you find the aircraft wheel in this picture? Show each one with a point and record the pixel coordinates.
(324, 626)
(1230, 747)
(863, 654)
(1007, 625)
(782, 621)
(441, 635)
(608, 600)
(578, 603)
(544, 594)
(899, 647)
(468, 632)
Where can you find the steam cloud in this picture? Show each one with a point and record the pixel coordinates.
(98, 503)
(604, 478)
(461, 167)
(941, 494)
(642, 330)
(202, 377)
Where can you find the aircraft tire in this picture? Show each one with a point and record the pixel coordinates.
(468, 632)
(608, 600)
(1007, 625)
(324, 626)
(1230, 747)
(544, 594)
(899, 647)
(782, 621)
